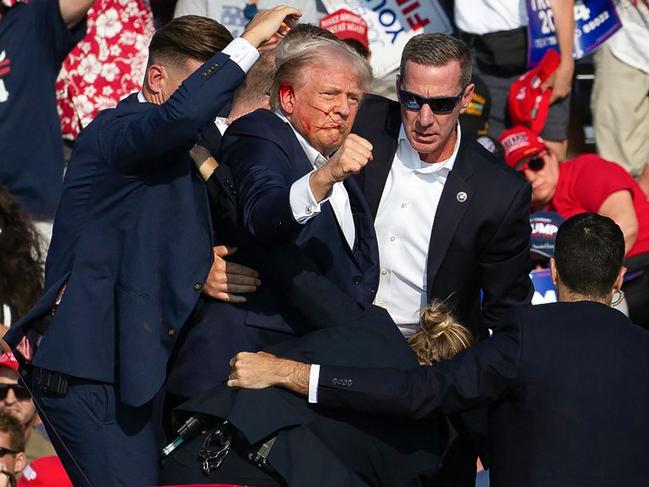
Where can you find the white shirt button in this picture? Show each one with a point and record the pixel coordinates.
(308, 209)
(384, 272)
(404, 204)
(393, 238)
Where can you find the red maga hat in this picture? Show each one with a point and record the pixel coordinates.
(520, 142)
(8, 360)
(527, 102)
(345, 24)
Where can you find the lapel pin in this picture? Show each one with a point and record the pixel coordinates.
(461, 196)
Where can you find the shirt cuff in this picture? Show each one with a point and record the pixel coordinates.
(314, 378)
(242, 53)
(303, 203)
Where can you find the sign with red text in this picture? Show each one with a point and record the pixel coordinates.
(391, 24)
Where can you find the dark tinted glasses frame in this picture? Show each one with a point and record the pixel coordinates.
(20, 391)
(6, 451)
(441, 105)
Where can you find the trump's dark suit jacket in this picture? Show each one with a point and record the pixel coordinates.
(480, 235)
(265, 158)
(568, 388)
(132, 239)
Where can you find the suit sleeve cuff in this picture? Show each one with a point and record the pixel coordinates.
(303, 204)
(242, 53)
(314, 378)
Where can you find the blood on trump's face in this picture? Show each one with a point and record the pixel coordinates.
(322, 108)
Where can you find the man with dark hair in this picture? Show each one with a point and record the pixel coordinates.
(131, 254)
(12, 448)
(566, 382)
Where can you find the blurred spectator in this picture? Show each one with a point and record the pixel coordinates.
(620, 98)
(35, 37)
(16, 401)
(108, 64)
(349, 28)
(12, 446)
(475, 119)
(589, 183)
(21, 266)
(497, 32)
(45, 472)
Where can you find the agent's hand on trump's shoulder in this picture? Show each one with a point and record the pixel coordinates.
(269, 23)
(260, 370)
(227, 280)
(352, 156)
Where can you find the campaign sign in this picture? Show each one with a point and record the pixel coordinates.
(544, 289)
(391, 23)
(230, 13)
(595, 22)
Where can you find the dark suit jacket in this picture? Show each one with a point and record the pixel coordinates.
(316, 447)
(480, 243)
(132, 240)
(568, 385)
(265, 158)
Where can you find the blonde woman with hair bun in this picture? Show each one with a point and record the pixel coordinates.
(440, 336)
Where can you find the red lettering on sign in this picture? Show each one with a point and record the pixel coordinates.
(416, 22)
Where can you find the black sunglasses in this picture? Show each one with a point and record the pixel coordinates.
(20, 391)
(440, 105)
(4, 451)
(534, 164)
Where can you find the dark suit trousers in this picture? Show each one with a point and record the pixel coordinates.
(101, 441)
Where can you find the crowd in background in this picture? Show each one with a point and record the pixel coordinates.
(61, 66)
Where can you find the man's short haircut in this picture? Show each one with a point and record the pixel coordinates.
(14, 430)
(188, 37)
(258, 82)
(589, 252)
(437, 50)
(293, 59)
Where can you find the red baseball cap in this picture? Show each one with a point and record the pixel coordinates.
(345, 24)
(527, 102)
(520, 142)
(45, 472)
(8, 360)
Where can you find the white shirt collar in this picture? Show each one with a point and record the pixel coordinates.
(221, 124)
(315, 158)
(140, 97)
(410, 158)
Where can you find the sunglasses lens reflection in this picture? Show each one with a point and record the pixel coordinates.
(440, 106)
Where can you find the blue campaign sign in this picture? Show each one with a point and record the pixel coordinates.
(544, 289)
(595, 22)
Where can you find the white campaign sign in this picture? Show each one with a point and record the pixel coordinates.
(391, 24)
